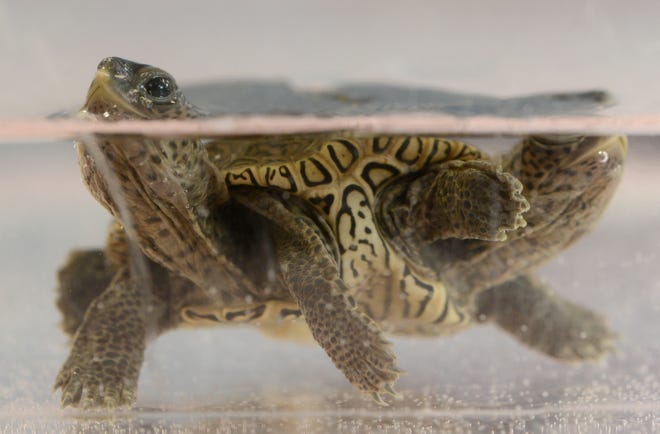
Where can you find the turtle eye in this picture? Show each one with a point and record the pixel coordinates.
(159, 88)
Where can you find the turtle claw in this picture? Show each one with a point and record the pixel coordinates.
(375, 396)
(396, 370)
(492, 202)
(593, 345)
(67, 400)
(86, 388)
(581, 336)
(389, 389)
(103, 366)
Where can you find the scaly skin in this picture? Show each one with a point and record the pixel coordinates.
(568, 182)
(198, 238)
(103, 367)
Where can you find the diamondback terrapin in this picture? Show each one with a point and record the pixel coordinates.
(353, 236)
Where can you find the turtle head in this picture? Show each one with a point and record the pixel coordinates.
(161, 189)
(583, 148)
(568, 179)
(175, 167)
(581, 162)
(127, 90)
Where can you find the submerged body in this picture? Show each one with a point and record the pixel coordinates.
(346, 237)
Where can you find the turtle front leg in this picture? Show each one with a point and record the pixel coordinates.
(103, 366)
(353, 341)
(535, 316)
(457, 199)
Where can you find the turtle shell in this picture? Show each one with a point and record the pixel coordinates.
(340, 176)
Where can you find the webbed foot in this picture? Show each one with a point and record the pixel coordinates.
(352, 340)
(459, 199)
(489, 202)
(579, 334)
(83, 387)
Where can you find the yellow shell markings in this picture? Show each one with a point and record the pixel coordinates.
(340, 177)
(214, 232)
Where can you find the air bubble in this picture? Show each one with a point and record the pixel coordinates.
(271, 275)
(203, 211)
(603, 156)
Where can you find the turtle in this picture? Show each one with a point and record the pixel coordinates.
(342, 238)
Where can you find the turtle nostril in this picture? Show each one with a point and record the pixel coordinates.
(109, 64)
(118, 67)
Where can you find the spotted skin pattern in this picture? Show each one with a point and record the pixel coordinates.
(103, 368)
(569, 182)
(342, 237)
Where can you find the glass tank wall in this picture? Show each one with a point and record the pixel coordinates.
(267, 58)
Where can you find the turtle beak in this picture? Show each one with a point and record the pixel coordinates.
(109, 92)
(98, 88)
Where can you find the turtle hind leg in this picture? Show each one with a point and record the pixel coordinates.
(458, 199)
(353, 341)
(527, 309)
(85, 275)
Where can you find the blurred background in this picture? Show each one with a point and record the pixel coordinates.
(235, 379)
(49, 51)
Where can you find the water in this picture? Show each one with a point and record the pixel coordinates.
(236, 379)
